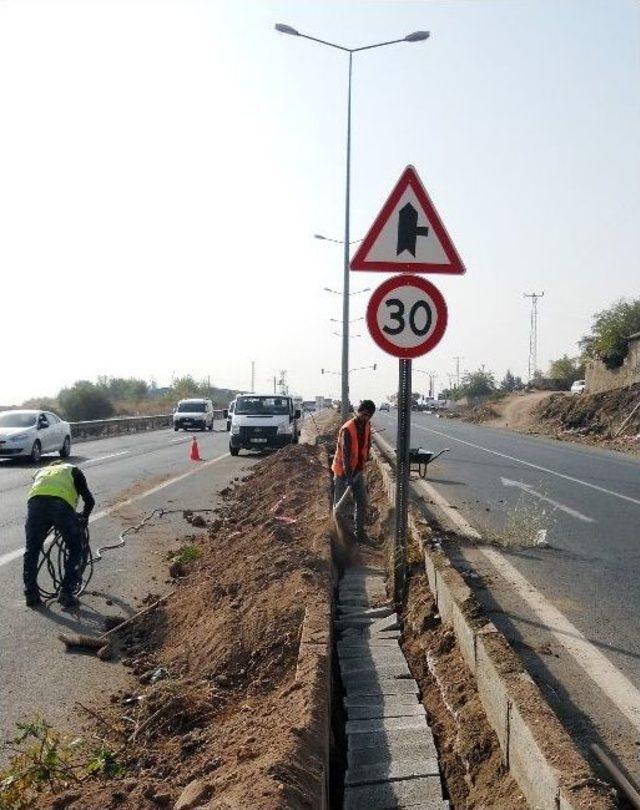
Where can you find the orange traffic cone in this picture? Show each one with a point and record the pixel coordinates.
(194, 454)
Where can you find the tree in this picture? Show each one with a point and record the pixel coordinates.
(84, 401)
(609, 332)
(566, 370)
(124, 388)
(510, 382)
(478, 383)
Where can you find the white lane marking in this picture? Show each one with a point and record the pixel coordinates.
(178, 441)
(5, 559)
(103, 458)
(507, 482)
(534, 466)
(596, 665)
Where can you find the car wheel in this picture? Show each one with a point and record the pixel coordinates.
(210, 428)
(65, 450)
(228, 426)
(176, 428)
(36, 452)
(234, 450)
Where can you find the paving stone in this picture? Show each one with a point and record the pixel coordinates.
(353, 647)
(392, 771)
(366, 634)
(385, 668)
(353, 727)
(392, 752)
(358, 685)
(382, 655)
(392, 795)
(385, 739)
(358, 701)
(361, 601)
(351, 611)
(381, 710)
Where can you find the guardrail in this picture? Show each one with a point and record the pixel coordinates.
(119, 425)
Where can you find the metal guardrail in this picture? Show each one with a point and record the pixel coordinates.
(120, 425)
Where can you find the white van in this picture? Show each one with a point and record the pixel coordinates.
(193, 413)
(261, 421)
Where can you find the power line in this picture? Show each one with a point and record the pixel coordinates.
(533, 333)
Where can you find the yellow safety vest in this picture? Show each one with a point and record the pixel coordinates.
(56, 481)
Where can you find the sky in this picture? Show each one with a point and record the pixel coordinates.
(165, 165)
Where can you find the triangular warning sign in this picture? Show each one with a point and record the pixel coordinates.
(408, 235)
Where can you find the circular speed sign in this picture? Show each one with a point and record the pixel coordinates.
(407, 316)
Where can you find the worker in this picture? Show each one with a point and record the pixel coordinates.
(352, 451)
(52, 504)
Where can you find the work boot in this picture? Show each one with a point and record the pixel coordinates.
(33, 599)
(68, 600)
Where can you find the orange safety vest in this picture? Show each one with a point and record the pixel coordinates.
(338, 466)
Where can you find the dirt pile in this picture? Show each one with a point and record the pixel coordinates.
(217, 718)
(607, 416)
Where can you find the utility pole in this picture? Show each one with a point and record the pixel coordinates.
(274, 383)
(253, 376)
(533, 333)
(282, 382)
(458, 358)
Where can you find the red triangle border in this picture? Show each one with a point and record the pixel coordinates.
(455, 265)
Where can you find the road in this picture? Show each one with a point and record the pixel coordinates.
(129, 476)
(570, 608)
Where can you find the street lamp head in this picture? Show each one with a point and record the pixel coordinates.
(319, 236)
(286, 29)
(416, 36)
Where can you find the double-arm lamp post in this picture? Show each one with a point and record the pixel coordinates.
(416, 36)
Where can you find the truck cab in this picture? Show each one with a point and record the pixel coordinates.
(263, 420)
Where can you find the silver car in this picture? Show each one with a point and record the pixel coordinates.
(31, 433)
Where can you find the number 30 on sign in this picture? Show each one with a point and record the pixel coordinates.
(407, 316)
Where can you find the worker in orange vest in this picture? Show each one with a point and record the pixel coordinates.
(352, 451)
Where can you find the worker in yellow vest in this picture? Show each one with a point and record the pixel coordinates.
(352, 451)
(52, 504)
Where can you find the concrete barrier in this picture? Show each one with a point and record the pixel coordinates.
(535, 747)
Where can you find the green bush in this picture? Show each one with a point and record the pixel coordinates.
(84, 401)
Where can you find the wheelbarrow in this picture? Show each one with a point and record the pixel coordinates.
(420, 459)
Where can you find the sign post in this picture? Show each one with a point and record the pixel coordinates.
(406, 315)
(403, 442)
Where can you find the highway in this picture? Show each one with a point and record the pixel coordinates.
(129, 476)
(570, 608)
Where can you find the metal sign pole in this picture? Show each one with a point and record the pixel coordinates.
(402, 480)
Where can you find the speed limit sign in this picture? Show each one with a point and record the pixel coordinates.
(407, 316)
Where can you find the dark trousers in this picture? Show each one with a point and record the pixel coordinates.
(359, 494)
(43, 513)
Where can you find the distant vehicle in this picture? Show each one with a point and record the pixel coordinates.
(309, 406)
(30, 434)
(263, 421)
(578, 387)
(193, 413)
(384, 406)
(232, 405)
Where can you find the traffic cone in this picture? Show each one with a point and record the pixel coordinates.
(194, 453)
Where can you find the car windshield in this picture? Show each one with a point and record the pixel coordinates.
(19, 420)
(262, 405)
(192, 407)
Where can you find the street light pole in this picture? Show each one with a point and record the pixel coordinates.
(344, 406)
(415, 36)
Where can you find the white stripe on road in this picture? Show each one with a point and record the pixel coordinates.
(535, 466)
(507, 482)
(5, 559)
(597, 666)
(616, 686)
(103, 458)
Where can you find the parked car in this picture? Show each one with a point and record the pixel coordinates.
(578, 387)
(193, 413)
(263, 421)
(29, 434)
(384, 406)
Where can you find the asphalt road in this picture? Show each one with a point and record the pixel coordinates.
(570, 608)
(129, 476)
